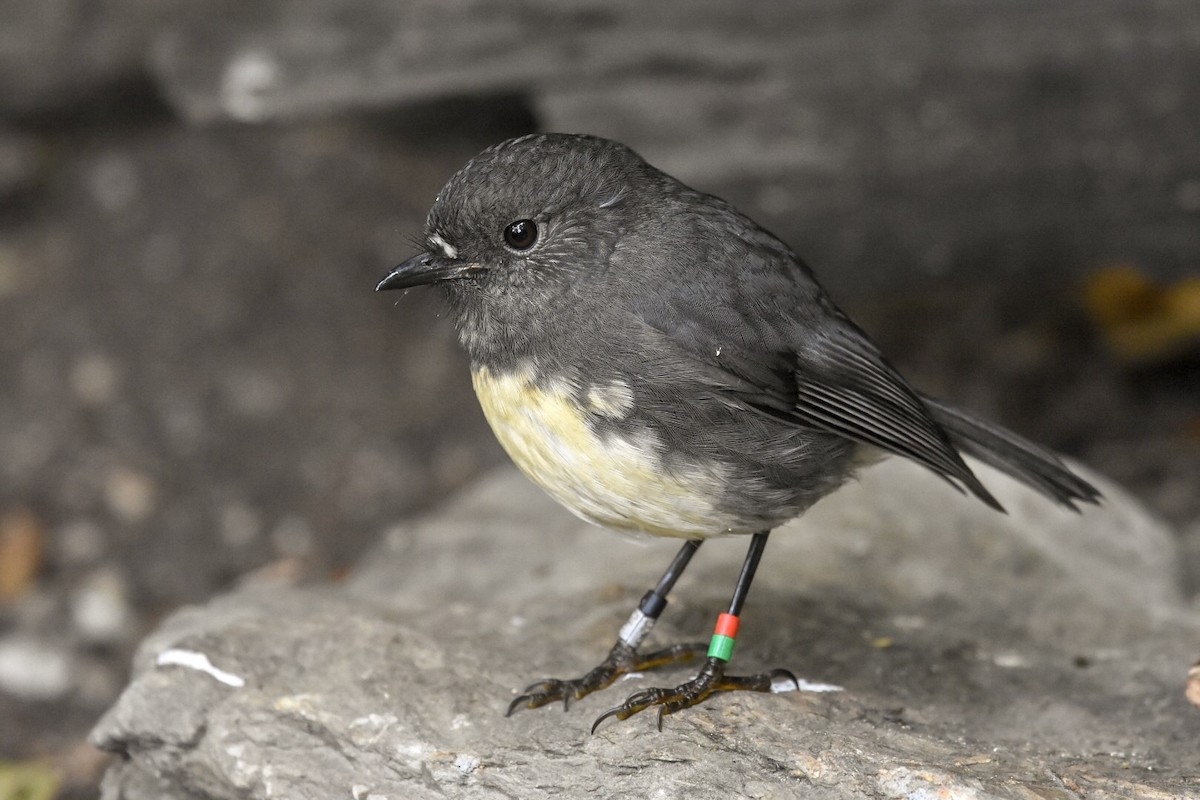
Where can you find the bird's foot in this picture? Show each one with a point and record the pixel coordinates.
(709, 681)
(621, 660)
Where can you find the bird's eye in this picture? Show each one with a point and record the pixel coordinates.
(521, 235)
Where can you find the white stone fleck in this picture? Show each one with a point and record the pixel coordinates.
(466, 763)
(909, 622)
(100, 607)
(783, 685)
(32, 669)
(1010, 660)
(197, 661)
(248, 80)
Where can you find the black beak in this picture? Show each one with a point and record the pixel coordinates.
(426, 268)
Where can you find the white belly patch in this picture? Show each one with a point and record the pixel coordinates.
(614, 480)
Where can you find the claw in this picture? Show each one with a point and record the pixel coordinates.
(546, 692)
(621, 660)
(539, 687)
(612, 712)
(710, 680)
(515, 704)
(525, 701)
(639, 701)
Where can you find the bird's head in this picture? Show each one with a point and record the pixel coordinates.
(525, 219)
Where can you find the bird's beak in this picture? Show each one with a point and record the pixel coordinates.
(426, 268)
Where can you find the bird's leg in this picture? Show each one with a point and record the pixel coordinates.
(712, 677)
(623, 658)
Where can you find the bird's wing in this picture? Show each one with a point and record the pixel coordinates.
(809, 365)
(844, 385)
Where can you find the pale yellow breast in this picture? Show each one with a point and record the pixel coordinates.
(614, 480)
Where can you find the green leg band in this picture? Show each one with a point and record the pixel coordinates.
(721, 647)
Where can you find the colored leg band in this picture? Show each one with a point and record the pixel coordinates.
(636, 628)
(652, 604)
(724, 637)
(641, 621)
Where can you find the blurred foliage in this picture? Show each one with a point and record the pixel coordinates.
(28, 780)
(1141, 320)
(21, 536)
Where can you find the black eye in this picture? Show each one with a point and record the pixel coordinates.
(521, 235)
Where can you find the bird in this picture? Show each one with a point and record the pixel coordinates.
(661, 364)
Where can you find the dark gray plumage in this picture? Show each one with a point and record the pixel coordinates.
(660, 363)
(731, 348)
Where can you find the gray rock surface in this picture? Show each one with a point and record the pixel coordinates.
(57, 54)
(19, 164)
(974, 137)
(1034, 655)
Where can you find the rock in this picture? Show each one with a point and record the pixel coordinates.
(56, 54)
(894, 136)
(1039, 654)
(240, 524)
(20, 164)
(80, 542)
(95, 379)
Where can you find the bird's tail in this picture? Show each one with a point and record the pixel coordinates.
(1029, 463)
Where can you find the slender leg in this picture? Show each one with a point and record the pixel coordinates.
(623, 658)
(711, 678)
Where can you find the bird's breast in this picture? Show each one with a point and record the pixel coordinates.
(565, 436)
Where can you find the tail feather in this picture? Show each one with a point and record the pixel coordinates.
(1029, 463)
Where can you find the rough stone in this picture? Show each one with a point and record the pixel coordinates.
(976, 137)
(19, 166)
(1034, 655)
(56, 55)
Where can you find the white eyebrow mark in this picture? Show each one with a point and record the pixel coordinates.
(449, 250)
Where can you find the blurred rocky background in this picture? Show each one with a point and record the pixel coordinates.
(199, 389)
